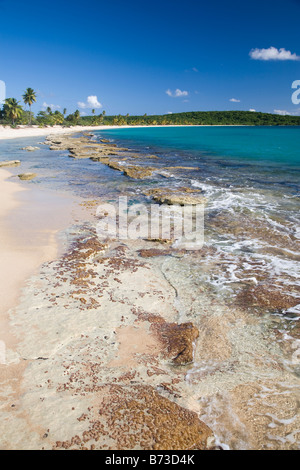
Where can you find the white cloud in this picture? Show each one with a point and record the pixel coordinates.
(177, 93)
(273, 54)
(282, 112)
(52, 106)
(252, 110)
(91, 102)
(234, 100)
(193, 69)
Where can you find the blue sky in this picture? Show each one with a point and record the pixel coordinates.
(152, 57)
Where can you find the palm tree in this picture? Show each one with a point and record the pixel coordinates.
(93, 111)
(12, 109)
(65, 111)
(58, 117)
(29, 98)
(76, 116)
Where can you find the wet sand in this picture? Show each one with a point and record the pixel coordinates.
(29, 221)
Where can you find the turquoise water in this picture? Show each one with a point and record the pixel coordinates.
(264, 145)
(253, 156)
(250, 177)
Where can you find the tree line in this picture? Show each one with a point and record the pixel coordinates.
(13, 113)
(247, 118)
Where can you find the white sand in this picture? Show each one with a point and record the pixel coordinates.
(6, 132)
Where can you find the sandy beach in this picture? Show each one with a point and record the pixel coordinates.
(28, 238)
(6, 132)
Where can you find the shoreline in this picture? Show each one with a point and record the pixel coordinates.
(7, 133)
(28, 236)
(9, 282)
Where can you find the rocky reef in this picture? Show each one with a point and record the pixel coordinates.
(180, 196)
(117, 158)
(9, 163)
(27, 176)
(124, 160)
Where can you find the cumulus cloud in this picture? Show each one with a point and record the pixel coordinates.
(52, 106)
(234, 100)
(252, 110)
(91, 102)
(177, 93)
(273, 54)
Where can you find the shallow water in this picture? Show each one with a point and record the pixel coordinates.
(250, 261)
(251, 179)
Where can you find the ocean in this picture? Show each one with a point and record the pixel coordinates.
(251, 179)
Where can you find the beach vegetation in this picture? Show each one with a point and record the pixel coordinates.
(13, 113)
(12, 110)
(48, 118)
(29, 98)
(247, 118)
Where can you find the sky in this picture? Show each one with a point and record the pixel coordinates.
(153, 57)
